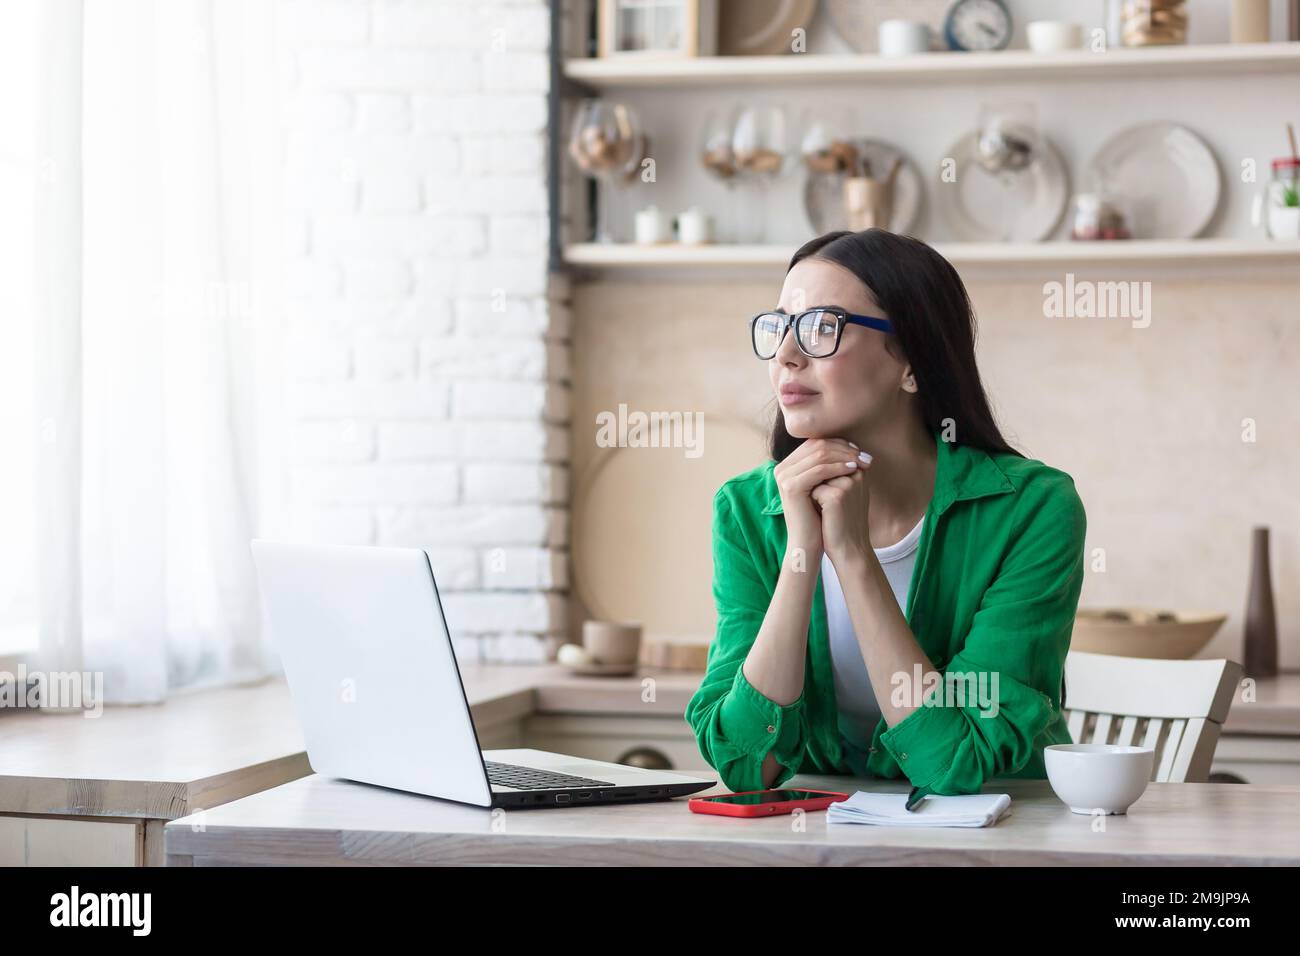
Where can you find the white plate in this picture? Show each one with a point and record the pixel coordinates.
(1168, 175)
(823, 193)
(974, 205)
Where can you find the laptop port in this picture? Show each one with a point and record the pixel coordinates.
(585, 795)
(563, 798)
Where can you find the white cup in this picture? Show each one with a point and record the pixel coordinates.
(652, 226)
(903, 37)
(1052, 36)
(693, 226)
(1098, 778)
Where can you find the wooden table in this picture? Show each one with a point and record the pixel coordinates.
(321, 821)
(97, 790)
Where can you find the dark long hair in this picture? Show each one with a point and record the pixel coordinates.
(923, 296)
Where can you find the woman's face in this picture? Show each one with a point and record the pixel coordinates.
(863, 383)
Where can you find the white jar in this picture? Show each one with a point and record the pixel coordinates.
(652, 226)
(903, 37)
(1277, 205)
(693, 226)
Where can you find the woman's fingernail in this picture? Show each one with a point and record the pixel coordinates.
(850, 464)
(866, 459)
(851, 443)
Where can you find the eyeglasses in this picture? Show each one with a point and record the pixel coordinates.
(817, 331)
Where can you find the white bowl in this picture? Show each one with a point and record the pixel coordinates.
(1051, 36)
(1098, 778)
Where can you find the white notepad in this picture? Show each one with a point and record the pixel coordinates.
(934, 810)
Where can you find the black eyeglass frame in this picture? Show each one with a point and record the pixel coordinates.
(842, 316)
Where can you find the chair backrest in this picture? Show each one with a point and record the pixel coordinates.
(1177, 708)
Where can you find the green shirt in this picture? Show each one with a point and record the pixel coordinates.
(992, 601)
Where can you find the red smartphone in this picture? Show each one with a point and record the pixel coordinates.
(764, 803)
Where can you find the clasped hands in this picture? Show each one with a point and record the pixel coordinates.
(825, 493)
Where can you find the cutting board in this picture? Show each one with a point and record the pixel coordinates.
(642, 533)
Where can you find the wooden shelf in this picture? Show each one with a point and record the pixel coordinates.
(1192, 256)
(810, 68)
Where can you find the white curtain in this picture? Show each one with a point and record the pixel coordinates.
(154, 340)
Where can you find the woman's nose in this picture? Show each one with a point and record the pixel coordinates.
(788, 352)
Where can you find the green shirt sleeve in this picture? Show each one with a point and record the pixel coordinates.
(1016, 646)
(735, 725)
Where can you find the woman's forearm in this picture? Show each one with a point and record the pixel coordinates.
(887, 643)
(775, 663)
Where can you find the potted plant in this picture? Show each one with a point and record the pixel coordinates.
(1284, 217)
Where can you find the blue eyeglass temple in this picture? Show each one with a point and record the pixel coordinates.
(870, 322)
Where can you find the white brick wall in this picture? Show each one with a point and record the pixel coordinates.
(427, 354)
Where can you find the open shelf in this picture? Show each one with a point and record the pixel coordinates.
(1193, 256)
(812, 68)
(1218, 256)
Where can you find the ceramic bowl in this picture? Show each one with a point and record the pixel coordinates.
(1098, 778)
(1051, 36)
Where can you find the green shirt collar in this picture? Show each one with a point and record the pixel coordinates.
(961, 472)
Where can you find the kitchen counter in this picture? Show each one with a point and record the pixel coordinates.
(321, 821)
(1275, 709)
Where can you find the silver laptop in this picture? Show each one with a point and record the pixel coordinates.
(373, 675)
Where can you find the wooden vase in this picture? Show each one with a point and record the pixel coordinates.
(1260, 637)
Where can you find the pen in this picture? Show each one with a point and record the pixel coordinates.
(914, 798)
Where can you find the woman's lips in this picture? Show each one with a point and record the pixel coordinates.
(797, 395)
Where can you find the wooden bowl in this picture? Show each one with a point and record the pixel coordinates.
(1144, 632)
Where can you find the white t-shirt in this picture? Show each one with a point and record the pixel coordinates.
(858, 710)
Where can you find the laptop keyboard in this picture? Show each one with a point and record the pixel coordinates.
(527, 778)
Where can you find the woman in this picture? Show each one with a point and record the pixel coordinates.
(897, 587)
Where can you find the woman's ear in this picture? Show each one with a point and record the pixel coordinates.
(909, 380)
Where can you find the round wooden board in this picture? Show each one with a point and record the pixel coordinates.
(642, 530)
(761, 27)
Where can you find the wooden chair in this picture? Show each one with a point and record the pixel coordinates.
(1175, 707)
